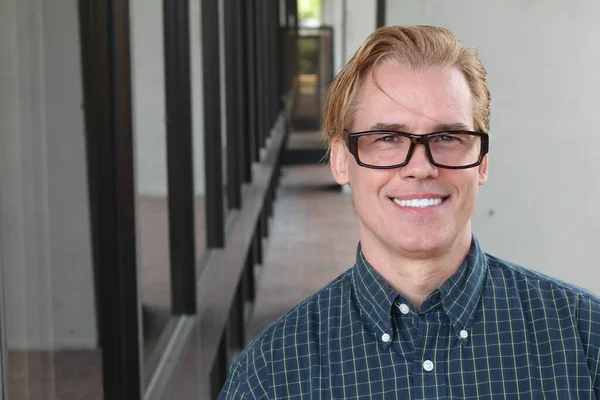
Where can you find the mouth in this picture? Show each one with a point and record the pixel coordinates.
(419, 203)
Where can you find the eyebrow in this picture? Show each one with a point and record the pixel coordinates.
(382, 126)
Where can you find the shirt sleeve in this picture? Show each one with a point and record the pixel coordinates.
(589, 329)
(232, 389)
(246, 378)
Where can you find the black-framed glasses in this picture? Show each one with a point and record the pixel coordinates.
(389, 149)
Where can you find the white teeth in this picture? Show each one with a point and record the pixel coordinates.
(418, 203)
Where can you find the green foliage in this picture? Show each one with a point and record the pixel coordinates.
(309, 9)
(308, 55)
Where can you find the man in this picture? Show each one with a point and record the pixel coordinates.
(424, 313)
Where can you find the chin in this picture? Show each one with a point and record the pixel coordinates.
(421, 243)
(418, 248)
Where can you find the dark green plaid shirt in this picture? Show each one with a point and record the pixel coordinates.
(493, 330)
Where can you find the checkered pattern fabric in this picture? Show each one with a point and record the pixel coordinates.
(493, 330)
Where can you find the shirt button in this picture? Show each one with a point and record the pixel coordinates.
(428, 365)
(403, 308)
(386, 337)
(464, 334)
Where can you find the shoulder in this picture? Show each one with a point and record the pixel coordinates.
(536, 283)
(575, 307)
(568, 306)
(292, 333)
(308, 315)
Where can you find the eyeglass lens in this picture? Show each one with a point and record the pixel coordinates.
(386, 149)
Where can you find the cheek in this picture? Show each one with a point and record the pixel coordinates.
(366, 182)
(470, 188)
(464, 183)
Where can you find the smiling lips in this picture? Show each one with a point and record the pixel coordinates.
(419, 203)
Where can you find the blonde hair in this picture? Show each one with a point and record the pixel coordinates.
(416, 46)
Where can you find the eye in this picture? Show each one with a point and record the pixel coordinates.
(447, 138)
(389, 139)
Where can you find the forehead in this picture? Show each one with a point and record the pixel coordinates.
(419, 99)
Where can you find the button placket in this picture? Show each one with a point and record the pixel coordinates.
(386, 338)
(428, 365)
(404, 309)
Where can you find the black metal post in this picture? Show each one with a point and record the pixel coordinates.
(264, 218)
(108, 123)
(236, 319)
(248, 276)
(219, 369)
(215, 230)
(260, 86)
(294, 15)
(280, 32)
(232, 60)
(381, 13)
(275, 37)
(88, 57)
(266, 71)
(267, 74)
(270, 64)
(344, 30)
(257, 243)
(243, 86)
(251, 77)
(179, 156)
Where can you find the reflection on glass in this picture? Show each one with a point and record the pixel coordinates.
(148, 79)
(50, 311)
(307, 113)
(189, 378)
(153, 258)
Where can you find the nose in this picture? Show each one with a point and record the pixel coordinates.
(419, 166)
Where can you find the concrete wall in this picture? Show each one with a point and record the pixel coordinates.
(360, 20)
(148, 81)
(332, 14)
(44, 211)
(148, 73)
(539, 205)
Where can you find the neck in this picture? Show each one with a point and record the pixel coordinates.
(415, 276)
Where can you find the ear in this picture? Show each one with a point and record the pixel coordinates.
(338, 162)
(483, 170)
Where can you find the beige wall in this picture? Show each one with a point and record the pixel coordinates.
(359, 15)
(539, 207)
(149, 112)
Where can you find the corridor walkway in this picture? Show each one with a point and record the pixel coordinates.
(312, 239)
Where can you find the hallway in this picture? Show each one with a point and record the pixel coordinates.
(313, 238)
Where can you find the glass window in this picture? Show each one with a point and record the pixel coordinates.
(50, 309)
(149, 116)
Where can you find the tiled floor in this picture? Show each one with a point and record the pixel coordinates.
(64, 375)
(312, 240)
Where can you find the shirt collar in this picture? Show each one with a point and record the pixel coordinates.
(374, 294)
(459, 294)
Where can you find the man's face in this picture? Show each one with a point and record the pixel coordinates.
(419, 102)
